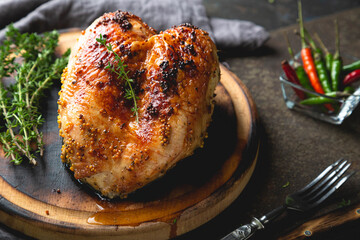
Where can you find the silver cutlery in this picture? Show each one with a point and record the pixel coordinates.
(325, 184)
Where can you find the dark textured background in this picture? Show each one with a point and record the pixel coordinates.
(294, 147)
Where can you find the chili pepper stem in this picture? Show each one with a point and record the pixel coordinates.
(301, 22)
(329, 58)
(322, 45)
(291, 52)
(337, 40)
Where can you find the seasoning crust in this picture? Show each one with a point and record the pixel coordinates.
(174, 74)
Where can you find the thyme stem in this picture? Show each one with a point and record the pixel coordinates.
(27, 81)
(19, 103)
(9, 124)
(4, 142)
(119, 70)
(39, 89)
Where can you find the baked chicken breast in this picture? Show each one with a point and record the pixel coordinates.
(174, 76)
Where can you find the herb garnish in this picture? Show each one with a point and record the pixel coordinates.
(286, 184)
(118, 67)
(344, 203)
(19, 102)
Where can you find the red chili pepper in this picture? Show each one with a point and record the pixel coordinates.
(308, 61)
(292, 77)
(352, 77)
(306, 56)
(310, 69)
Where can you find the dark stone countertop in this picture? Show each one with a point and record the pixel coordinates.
(294, 147)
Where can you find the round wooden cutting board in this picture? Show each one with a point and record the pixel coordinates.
(46, 202)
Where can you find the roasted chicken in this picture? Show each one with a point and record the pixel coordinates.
(174, 76)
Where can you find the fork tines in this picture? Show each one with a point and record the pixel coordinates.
(327, 182)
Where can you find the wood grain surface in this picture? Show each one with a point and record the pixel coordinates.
(317, 226)
(46, 200)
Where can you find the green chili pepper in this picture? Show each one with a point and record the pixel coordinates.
(352, 66)
(349, 89)
(320, 65)
(317, 100)
(322, 74)
(328, 56)
(336, 65)
(335, 73)
(303, 79)
(330, 99)
(328, 60)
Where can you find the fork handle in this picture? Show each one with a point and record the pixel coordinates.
(247, 230)
(272, 214)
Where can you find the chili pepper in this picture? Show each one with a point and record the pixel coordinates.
(328, 56)
(323, 74)
(308, 61)
(335, 73)
(299, 69)
(317, 100)
(304, 80)
(349, 89)
(336, 66)
(292, 77)
(352, 77)
(322, 100)
(307, 58)
(352, 66)
(320, 65)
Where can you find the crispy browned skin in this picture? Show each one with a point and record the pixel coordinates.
(175, 74)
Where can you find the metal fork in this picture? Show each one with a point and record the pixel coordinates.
(325, 184)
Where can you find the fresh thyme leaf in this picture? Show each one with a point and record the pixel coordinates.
(19, 103)
(286, 184)
(118, 68)
(344, 203)
(101, 40)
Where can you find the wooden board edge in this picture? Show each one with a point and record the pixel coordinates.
(151, 230)
(161, 228)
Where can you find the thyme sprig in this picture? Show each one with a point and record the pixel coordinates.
(19, 102)
(118, 68)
